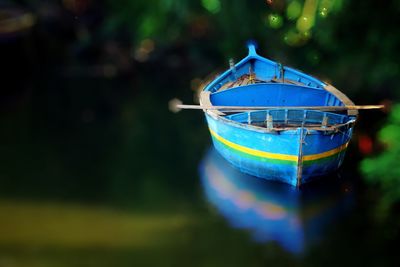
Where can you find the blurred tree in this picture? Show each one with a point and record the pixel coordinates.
(383, 170)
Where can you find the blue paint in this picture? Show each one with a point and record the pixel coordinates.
(265, 69)
(270, 94)
(318, 148)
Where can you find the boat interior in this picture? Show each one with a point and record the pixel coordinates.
(274, 94)
(257, 81)
(283, 119)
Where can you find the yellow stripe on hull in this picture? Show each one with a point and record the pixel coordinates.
(251, 151)
(268, 155)
(326, 153)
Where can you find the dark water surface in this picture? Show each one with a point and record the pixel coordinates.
(96, 177)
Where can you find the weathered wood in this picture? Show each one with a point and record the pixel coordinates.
(309, 127)
(342, 97)
(205, 102)
(247, 108)
(325, 121)
(300, 158)
(269, 121)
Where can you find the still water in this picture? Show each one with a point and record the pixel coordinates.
(274, 212)
(107, 176)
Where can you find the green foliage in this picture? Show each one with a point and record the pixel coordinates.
(233, 19)
(214, 6)
(384, 169)
(293, 10)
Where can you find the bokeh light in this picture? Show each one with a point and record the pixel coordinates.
(275, 21)
(293, 10)
(213, 6)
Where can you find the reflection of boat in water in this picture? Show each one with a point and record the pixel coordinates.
(272, 211)
(292, 138)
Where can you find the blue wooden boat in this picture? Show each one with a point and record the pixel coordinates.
(291, 145)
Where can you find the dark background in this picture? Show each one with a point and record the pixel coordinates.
(95, 169)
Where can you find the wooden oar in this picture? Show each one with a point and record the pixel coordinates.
(248, 108)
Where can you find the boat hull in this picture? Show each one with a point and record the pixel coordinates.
(294, 156)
